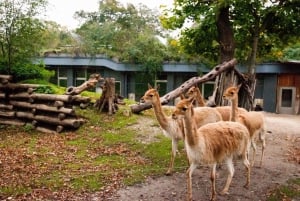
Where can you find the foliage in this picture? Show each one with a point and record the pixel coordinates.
(19, 33)
(22, 71)
(20, 39)
(266, 21)
(46, 87)
(57, 39)
(128, 33)
(292, 52)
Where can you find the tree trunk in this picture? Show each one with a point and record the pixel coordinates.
(186, 85)
(227, 47)
(107, 100)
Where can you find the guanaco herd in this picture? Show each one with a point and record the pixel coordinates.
(211, 135)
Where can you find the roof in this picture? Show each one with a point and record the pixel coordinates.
(66, 61)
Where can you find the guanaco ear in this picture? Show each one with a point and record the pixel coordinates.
(157, 87)
(238, 87)
(149, 86)
(182, 96)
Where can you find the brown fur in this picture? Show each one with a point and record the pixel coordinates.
(174, 128)
(254, 121)
(194, 91)
(226, 110)
(212, 144)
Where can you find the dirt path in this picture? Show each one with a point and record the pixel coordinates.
(283, 134)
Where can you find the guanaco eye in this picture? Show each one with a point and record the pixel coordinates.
(151, 95)
(184, 109)
(231, 93)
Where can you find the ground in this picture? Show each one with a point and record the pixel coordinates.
(281, 163)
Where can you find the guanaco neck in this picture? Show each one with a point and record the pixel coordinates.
(160, 115)
(234, 109)
(200, 99)
(190, 127)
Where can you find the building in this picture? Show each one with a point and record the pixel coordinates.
(277, 89)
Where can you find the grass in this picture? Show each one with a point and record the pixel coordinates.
(289, 191)
(102, 154)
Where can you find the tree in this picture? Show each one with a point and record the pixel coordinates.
(227, 25)
(128, 33)
(20, 37)
(58, 39)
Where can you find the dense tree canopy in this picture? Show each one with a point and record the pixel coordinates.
(20, 39)
(126, 32)
(261, 29)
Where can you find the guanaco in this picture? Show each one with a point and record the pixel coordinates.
(253, 120)
(174, 129)
(212, 144)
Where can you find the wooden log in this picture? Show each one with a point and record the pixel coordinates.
(81, 99)
(75, 123)
(137, 108)
(59, 104)
(7, 107)
(13, 86)
(34, 123)
(51, 97)
(23, 95)
(61, 116)
(5, 79)
(37, 96)
(7, 114)
(45, 130)
(43, 107)
(14, 122)
(91, 83)
(59, 129)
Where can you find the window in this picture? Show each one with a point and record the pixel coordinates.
(286, 98)
(62, 77)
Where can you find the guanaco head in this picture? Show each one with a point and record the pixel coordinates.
(231, 93)
(182, 108)
(193, 91)
(151, 95)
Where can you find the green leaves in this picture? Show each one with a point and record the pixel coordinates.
(20, 34)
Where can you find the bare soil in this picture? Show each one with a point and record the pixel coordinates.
(281, 163)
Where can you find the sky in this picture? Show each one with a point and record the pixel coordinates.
(62, 11)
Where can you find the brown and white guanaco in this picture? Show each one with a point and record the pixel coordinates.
(174, 129)
(253, 120)
(212, 144)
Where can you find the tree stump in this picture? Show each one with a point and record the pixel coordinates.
(107, 100)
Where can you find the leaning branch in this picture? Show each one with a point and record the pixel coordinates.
(186, 85)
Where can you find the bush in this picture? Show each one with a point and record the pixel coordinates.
(30, 71)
